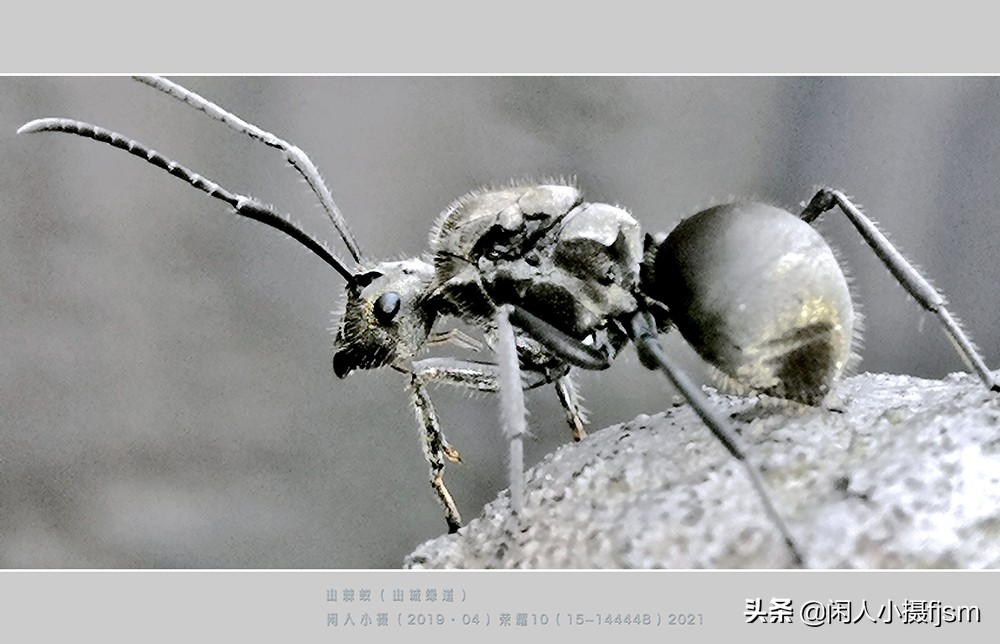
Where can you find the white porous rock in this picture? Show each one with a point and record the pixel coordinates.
(895, 472)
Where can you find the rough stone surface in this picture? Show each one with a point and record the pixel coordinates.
(896, 472)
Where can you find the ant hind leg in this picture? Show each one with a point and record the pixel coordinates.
(906, 274)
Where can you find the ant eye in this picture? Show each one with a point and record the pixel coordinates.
(386, 307)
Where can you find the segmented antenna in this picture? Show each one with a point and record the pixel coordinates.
(243, 205)
(293, 154)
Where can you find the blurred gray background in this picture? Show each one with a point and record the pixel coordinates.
(166, 391)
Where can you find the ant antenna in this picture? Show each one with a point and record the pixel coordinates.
(293, 154)
(243, 205)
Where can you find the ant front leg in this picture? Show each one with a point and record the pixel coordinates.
(436, 449)
(484, 376)
(513, 416)
(905, 273)
(477, 376)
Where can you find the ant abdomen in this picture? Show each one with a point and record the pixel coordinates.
(760, 295)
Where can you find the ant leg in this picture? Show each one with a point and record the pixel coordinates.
(454, 336)
(566, 347)
(478, 376)
(512, 411)
(484, 376)
(571, 351)
(906, 274)
(468, 374)
(435, 449)
(569, 398)
(642, 329)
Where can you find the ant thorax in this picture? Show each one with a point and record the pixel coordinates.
(543, 248)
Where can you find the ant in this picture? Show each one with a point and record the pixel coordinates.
(555, 282)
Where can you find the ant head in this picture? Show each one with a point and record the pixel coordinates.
(385, 319)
